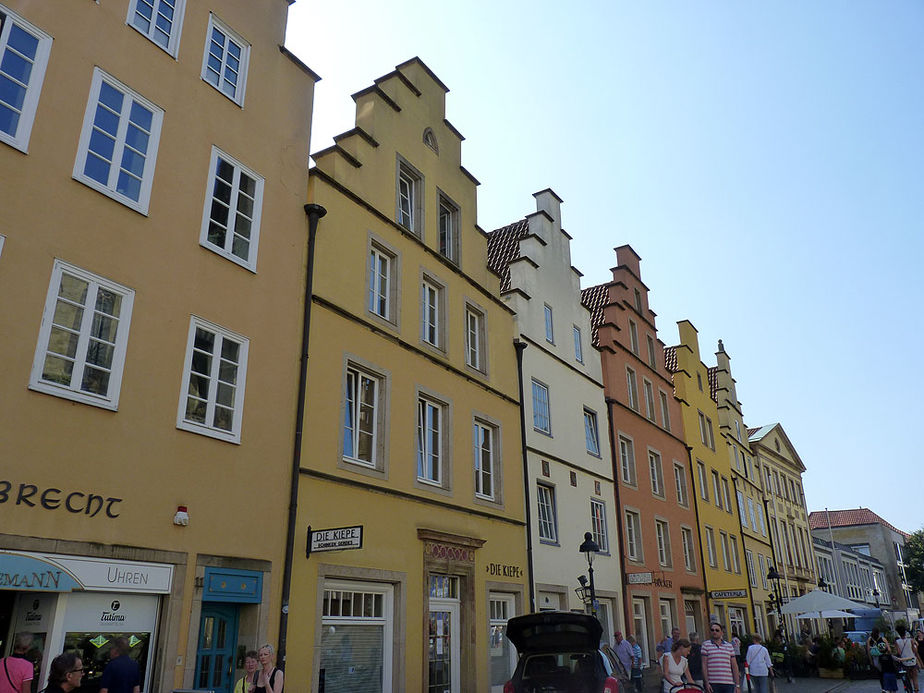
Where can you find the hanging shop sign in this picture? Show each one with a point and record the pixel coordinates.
(728, 594)
(638, 578)
(336, 539)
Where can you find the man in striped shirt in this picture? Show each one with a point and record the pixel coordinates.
(720, 670)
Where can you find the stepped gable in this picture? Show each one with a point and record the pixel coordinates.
(504, 248)
(595, 298)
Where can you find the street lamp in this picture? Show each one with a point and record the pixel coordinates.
(776, 601)
(590, 549)
(582, 591)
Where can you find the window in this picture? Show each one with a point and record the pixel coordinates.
(736, 565)
(741, 511)
(381, 282)
(431, 313)
(716, 492)
(24, 51)
(159, 20)
(592, 440)
(703, 482)
(738, 430)
(749, 560)
(474, 338)
(752, 513)
(541, 418)
(726, 497)
(118, 143)
(578, 347)
(233, 205)
(656, 473)
(652, 358)
(549, 328)
(429, 441)
(680, 481)
(665, 411)
(485, 441)
(725, 560)
(763, 570)
(502, 655)
(360, 417)
(638, 300)
(632, 388)
(633, 535)
(409, 210)
(649, 399)
(662, 533)
(710, 546)
(213, 376)
(224, 64)
(760, 516)
(627, 461)
(448, 229)
(598, 524)
(705, 431)
(83, 337)
(633, 337)
(548, 522)
(689, 555)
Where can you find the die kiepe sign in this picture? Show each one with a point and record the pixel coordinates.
(336, 539)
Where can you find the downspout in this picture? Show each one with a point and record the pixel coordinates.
(702, 556)
(620, 524)
(519, 346)
(747, 568)
(314, 212)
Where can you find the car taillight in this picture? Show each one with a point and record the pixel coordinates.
(508, 687)
(611, 685)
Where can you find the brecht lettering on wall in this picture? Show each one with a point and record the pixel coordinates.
(76, 502)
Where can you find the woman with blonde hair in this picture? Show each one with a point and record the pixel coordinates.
(269, 678)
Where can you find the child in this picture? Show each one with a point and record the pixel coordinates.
(889, 668)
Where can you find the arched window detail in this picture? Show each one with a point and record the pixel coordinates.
(429, 139)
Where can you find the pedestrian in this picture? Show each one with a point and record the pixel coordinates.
(65, 674)
(759, 665)
(739, 653)
(122, 674)
(720, 669)
(18, 671)
(636, 671)
(695, 659)
(248, 682)
(907, 650)
(874, 645)
(888, 665)
(674, 669)
(269, 679)
(623, 652)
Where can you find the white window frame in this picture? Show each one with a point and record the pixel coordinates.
(627, 468)
(736, 559)
(547, 525)
(231, 36)
(234, 434)
(591, 432)
(432, 296)
(741, 509)
(665, 411)
(351, 394)
(176, 24)
(578, 345)
(234, 211)
(726, 496)
(749, 561)
(474, 338)
(430, 454)
(656, 473)
(652, 354)
(680, 480)
(632, 388)
(633, 336)
(33, 89)
(448, 227)
(710, 547)
(409, 197)
(85, 336)
(549, 324)
(762, 564)
(726, 561)
(716, 489)
(634, 549)
(648, 389)
(663, 537)
(598, 524)
(703, 480)
(483, 431)
(130, 98)
(689, 549)
(538, 415)
(380, 299)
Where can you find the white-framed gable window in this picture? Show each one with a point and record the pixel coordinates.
(432, 323)
(598, 524)
(381, 295)
(578, 346)
(591, 435)
(24, 51)
(486, 450)
(448, 229)
(361, 417)
(474, 338)
(118, 143)
(409, 211)
(224, 64)
(83, 337)
(430, 433)
(160, 20)
(233, 206)
(214, 374)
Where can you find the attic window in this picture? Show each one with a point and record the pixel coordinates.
(777, 443)
(429, 139)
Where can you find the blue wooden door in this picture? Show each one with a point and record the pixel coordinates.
(217, 645)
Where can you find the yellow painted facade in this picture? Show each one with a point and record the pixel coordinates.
(727, 587)
(411, 370)
(110, 279)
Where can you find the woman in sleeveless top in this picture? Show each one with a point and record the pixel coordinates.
(674, 669)
(269, 678)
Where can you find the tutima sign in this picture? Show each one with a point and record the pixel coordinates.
(336, 539)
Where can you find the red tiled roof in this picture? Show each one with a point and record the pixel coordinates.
(752, 431)
(819, 519)
(595, 298)
(670, 359)
(712, 374)
(504, 247)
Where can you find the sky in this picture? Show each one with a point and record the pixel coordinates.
(764, 159)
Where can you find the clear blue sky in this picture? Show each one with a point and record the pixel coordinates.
(764, 159)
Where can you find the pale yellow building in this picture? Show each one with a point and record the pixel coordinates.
(412, 467)
(727, 587)
(152, 256)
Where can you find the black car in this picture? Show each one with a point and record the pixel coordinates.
(559, 653)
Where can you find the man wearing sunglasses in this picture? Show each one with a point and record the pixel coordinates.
(720, 668)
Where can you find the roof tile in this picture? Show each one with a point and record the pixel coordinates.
(504, 248)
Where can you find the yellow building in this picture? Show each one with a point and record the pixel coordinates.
(745, 475)
(412, 466)
(728, 591)
(138, 485)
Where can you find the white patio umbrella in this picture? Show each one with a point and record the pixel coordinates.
(831, 613)
(818, 601)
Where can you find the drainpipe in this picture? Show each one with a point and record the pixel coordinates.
(620, 522)
(314, 212)
(520, 346)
